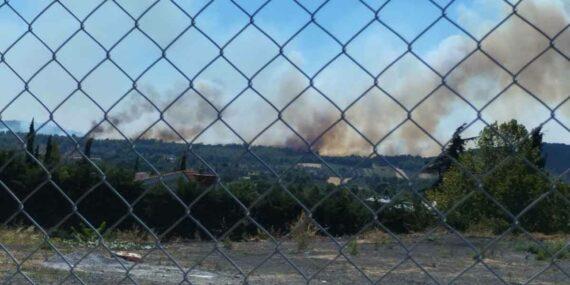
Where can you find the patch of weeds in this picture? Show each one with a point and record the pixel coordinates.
(228, 244)
(134, 238)
(378, 238)
(432, 238)
(302, 232)
(251, 236)
(487, 227)
(134, 235)
(20, 235)
(546, 251)
(197, 235)
(353, 247)
(88, 236)
(261, 235)
(130, 239)
(379, 244)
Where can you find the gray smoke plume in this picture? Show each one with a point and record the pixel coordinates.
(188, 114)
(477, 79)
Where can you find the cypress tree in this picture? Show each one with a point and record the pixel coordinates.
(52, 155)
(183, 160)
(49, 151)
(536, 136)
(30, 142)
(88, 145)
(55, 155)
(37, 152)
(87, 150)
(136, 168)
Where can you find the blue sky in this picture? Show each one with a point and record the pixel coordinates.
(370, 44)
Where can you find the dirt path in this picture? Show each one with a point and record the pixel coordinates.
(437, 260)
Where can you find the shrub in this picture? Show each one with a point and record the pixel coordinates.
(352, 247)
(549, 249)
(302, 232)
(87, 235)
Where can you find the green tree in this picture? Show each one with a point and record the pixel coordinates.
(455, 148)
(88, 146)
(49, 150)
(536, 136)
(183, 161)
(31, 141)
(507, 162)
(136, 168)
(37, 152)
(457, 145)
(52, 155)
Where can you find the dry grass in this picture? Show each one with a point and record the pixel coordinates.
(303, 232)
(445, 256)
(377, 237)
(133, 235)
(21, 236)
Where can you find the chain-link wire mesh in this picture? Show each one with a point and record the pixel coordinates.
(525, 37)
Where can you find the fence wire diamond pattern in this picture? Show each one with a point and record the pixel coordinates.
(132, 26)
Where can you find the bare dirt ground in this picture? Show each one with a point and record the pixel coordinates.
(436, 259)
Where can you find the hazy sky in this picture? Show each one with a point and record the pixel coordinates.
(371, 48)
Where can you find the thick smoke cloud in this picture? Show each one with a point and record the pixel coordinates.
(187, 113)
(477, 79)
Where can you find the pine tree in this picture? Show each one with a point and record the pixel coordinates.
(88, 145)
(536, 136)
(52, 155)
(87, 149)
(136, 168)
(56, 155)
(183, 160)
(49, 151)
(457, 145)
(455, 148)
(37, 152)
(31, 141)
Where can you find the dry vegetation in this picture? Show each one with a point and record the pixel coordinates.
(441, 253)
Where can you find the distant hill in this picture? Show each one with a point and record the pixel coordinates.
(557, 158)
(22, 127)
(233, 160)
(17, 126)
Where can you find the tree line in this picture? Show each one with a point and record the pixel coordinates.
(499, 183)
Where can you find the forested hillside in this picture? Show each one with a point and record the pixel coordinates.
(557, 157)
(250, 175)
(165, 155)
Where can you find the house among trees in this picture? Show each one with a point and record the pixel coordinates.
(336, 181)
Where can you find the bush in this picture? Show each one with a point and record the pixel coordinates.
(303, 232)
(547, 250)
(352, 247)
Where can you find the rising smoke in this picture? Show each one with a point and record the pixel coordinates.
(187, 111)
(477, 79)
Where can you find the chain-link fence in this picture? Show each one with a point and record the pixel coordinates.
(226, 141)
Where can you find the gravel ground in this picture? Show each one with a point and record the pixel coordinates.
(439, 259)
